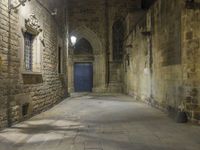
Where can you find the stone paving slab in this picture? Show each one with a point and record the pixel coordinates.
(101, 122)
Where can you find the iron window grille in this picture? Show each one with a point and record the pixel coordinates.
(28, 51)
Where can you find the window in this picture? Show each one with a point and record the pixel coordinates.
(146, 4)
(28, 51)
(118, 37)
(32, 53)
(33, 42)
(83, 47)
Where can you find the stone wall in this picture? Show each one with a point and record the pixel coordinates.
(41, 90)
(117, 10)
(157, 55)
(191, 51)
(95, 18)
(166, 53)
(136, 63)
(88, 21)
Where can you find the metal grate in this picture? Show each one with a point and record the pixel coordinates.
(25, 109)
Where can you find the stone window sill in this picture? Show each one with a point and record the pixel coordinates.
(32, 78)
(31, 73)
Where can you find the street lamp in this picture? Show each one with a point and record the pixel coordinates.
(14, 4)
(73, 40)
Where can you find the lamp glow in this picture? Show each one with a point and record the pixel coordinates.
(73, 40)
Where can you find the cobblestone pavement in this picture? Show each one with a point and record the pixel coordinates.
(101, 122)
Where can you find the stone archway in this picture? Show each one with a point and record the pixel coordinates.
(84, 32)
(98, 61)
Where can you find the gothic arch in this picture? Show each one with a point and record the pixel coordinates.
(98, 59)
(83, 47)
(84, 32)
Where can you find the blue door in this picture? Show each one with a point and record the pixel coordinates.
(83, 77)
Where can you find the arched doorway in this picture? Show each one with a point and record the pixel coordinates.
(83, 70)
(83, 47)
(85, 37)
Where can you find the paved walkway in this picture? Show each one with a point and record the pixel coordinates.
(101, 123)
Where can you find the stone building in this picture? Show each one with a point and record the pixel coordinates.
(148, 49)
(33, 58)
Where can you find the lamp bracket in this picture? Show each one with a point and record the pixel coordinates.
(17, 4)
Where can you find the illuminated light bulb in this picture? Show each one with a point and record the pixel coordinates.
(73, 40)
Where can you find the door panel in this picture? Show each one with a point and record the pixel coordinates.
(83, 77)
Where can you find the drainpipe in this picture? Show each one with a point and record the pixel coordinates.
(9, 121)
(66, 43)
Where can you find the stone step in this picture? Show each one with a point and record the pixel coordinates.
(115, 87)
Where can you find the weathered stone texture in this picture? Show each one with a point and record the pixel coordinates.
(96, 17)
(166, 53)
(164, 62)
(51, 88)
(191, 51)
(86, 20)
(137, 69)
(191, 62)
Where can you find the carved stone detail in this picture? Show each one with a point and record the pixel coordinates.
(32, 25)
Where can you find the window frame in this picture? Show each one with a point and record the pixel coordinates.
(28, 64)
(37, 45)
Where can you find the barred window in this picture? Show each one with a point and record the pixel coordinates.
(28, 51)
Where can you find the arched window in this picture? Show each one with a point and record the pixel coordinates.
(83, 47)
(118, 38)
(145, 4)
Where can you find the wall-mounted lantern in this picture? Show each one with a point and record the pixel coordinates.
(73, 40)
(54, 12)
(14, 4)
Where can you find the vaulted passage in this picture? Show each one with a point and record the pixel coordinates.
(136, 61)
(100, 122)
